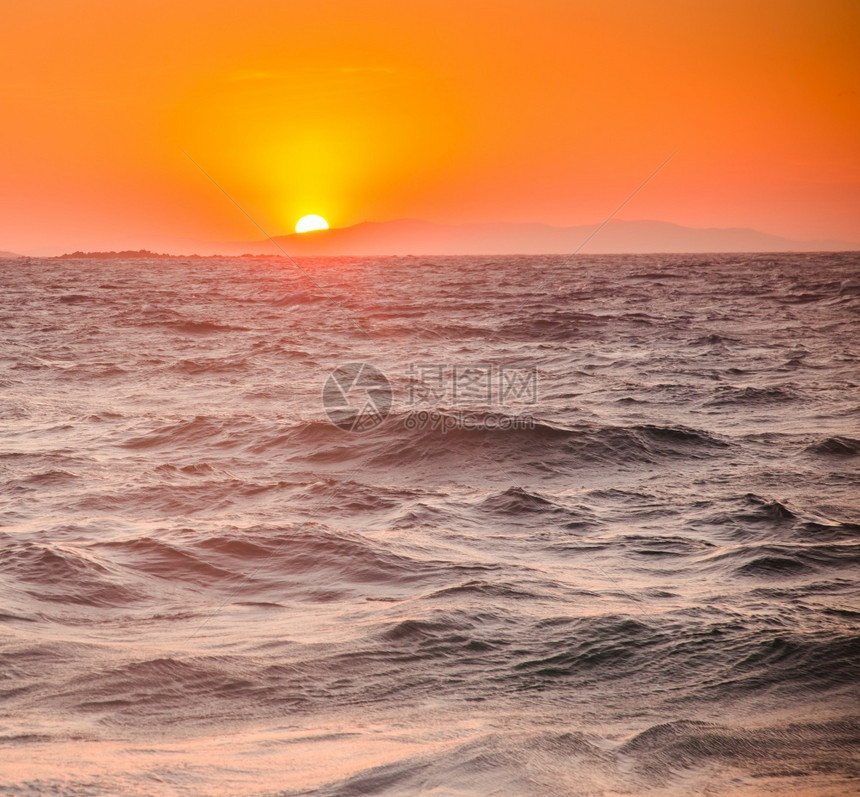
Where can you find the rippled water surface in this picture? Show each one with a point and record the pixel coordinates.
(209, 589)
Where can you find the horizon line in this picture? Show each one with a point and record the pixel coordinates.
(321, 235)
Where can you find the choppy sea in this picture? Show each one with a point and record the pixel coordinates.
(430, 526)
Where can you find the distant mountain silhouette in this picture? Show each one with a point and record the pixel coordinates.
(414, 237)
(410, 236)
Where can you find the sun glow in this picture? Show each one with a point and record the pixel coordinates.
(311, 223)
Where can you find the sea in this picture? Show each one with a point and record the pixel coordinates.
(448, 526)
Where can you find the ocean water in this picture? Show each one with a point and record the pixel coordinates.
(592, 528)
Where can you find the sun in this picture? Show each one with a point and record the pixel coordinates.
(311, 223)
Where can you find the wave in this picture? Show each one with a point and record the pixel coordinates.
(500, 763)
(157, 317)
(794, 663)
(351, 496)
(713, 340)
(516, 501)
(148, 691)
(733, 396)
(826, 531)
(308, 562)
(785, 560)
(745, 516)
(398, 440)
(220, 432)
(752, 517)
(663, 546)
(76, 298)
(488, 589)
(837, 446)
(563, 325)
(676, 751)
(64, 575)
(210, 365)
(300, 298)
(203, 327)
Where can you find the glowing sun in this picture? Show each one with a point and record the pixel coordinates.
(311, 223)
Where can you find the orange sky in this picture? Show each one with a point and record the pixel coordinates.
(446, 110)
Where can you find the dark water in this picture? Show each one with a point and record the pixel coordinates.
(209, 589)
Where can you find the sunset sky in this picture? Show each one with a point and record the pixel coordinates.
(451, 111)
